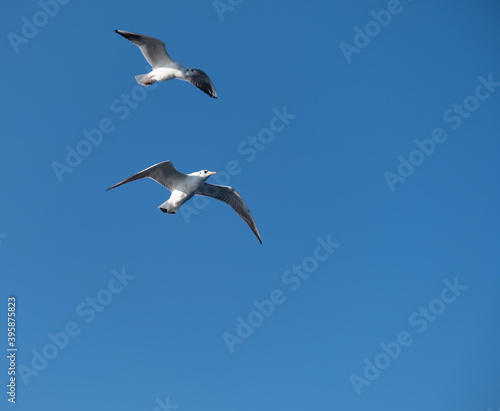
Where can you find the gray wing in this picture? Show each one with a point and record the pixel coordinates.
(153, 49)
(203, 82)
(163, 173)
(230, 196)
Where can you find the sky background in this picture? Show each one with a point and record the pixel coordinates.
(321, 176)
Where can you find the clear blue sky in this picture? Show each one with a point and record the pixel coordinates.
(376, 193)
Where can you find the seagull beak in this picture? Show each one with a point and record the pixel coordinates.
(212, 173)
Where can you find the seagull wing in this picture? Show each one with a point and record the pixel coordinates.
(153, 49)
(203, 82)
(230, 196)
(163, 173)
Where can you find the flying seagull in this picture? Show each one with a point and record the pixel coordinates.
(164, 68)
(184, 186)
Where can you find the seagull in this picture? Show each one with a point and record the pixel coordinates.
(184, 186)
(164, 68)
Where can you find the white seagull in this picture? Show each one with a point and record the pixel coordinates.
(164, 68)
(184, 186)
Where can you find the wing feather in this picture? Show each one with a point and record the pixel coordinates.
(230, 196)
(163, 173)
(203, 82)
(154, 50)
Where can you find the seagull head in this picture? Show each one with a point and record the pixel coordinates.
(205, 174)
(191, 72)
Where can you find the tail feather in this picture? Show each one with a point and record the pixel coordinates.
(168, 208)
(144, 79)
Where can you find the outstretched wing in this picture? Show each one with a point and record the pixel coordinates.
(153, 49)
(163, 173)
(230, 196)
(203, 82)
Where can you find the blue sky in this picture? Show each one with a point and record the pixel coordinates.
(375, 192)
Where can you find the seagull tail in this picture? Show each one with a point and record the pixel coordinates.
(144, 79)
(168, 208)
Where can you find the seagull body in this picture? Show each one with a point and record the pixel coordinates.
(185, 186)
(164, 68)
